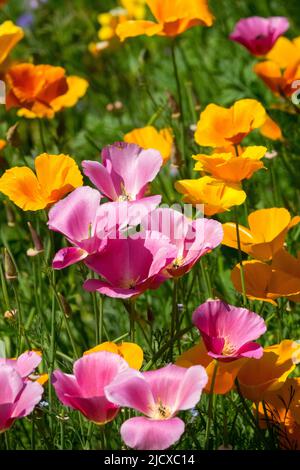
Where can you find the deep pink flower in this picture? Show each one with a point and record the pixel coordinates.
(25, 364)
(86, 224)
(131, 265)
(18, 397)
(84, 391)
(159, 395)
(192, 238)
(125, 171)
(228, 331)
(259, 34)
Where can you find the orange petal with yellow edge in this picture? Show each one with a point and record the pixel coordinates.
(131, 352)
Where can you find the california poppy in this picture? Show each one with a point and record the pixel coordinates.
(257, 377)
(131, 352)
(173, 18)
(10, 35)
(56, 175)
(265, 235)
(229, 167)
(149, 137)
(216, 195)
(42, 90)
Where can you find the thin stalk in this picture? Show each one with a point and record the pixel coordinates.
(174, 316)
(132, 320)
(240, 256)
(211, 405)
(206, 277)
(42, 137)
(180, 100)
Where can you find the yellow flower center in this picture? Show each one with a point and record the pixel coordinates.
(228, 348)
(161, 411)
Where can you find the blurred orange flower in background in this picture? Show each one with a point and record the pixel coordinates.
(173, 18)
(131, 352)
(10, 35)
(56, 176)
(226, 372)
(229, 167)
(257, 377)
(149, 137)
(282, 66)
(42, 90)
(216, 195)
(266, 233)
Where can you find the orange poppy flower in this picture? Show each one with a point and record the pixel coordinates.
(222, 127)
(226, 372)
(10, 35)
(42, 90)
(257, 377)
(271, 130)
(282, 409)
(216, 195)
(131, 352)
(148, 137)
(280, 81)
(173, 18)
(229, 167)
(266, 233)
(56, 176)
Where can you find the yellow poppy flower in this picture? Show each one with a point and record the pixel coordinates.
(216, 195)
(222, 127)
(226, 372)
(173, 18)
(229, 167)
(10, 35)
(148, 137)
(131, 352)
(266, 233)
(56, 176)
(135, 8)
(257, 377)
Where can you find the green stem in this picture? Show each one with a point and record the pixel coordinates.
(210, 405)
(42, 137)
(180, 100)
(206, 277)
(132, 320)
(240, 256)
(174, 316)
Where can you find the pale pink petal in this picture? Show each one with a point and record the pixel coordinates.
(101, 178)
(146, 434)
(68, 256)
(130, 389)
(11, 384)
(28, 399)
(94, 371)
(27, 363)
(74, 215)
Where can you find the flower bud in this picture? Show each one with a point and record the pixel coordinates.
(9, 267)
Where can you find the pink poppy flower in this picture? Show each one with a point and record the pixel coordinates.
(25, 364)
(259, 34)
(84, 391)
(125, 171)
(18, 397)
(192, 238)
(131, 265)
(228, 331)
(86, 224)
(159, 395)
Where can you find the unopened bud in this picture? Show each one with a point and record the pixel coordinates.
(9, 267)
(13, 136)
(65, 306)
(10, 215)
(37, 242)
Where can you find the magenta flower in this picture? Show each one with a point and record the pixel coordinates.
(228, 331)
(86, 224)
(259, 34)
(192, 238)
(159, 395)
(131, 265)
(18, 397)
(84, 391)
(25, 364)
(125, 171)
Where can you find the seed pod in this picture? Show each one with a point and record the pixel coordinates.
(37, 242)
(9, 267)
